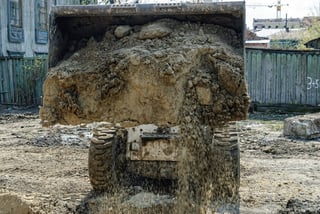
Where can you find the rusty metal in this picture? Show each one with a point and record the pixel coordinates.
(149, 142)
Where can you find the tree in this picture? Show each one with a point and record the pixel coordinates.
(313, 30)
(315, 11)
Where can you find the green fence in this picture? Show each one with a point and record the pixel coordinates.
(283, 76)
(273, 77)
(21, 80)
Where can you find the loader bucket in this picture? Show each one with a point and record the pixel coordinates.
(74, 23)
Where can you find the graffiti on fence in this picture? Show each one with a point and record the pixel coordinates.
(312, 83)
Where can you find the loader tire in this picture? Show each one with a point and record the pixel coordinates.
(100, 161)
(227, 144)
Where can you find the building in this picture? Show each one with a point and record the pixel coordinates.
(24, 26)
(290, 23)
(265, 43)
(255, 41)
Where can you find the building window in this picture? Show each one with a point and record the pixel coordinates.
(15, 53)
(15, 22)
(41, 21)
(15, 13)
(42, 15)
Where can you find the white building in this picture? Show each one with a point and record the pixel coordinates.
(24, 26)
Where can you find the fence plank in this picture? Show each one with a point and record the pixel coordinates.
(268, 77)
(299, 83)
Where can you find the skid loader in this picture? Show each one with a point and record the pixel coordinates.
(165, 82)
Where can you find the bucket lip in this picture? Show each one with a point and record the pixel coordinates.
(235, 8)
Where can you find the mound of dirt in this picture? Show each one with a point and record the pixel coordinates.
(142, 74)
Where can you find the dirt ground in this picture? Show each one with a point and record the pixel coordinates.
(44, 170)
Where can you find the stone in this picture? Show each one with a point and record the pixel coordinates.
(303, 126)
(135, 59)
(122, 31)
(155, 30)
(204, 95)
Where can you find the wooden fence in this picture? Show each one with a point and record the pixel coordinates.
(283, 76)
(273, 77)
(21, 80)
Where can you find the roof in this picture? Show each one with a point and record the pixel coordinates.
(267, 32)
(257, 41)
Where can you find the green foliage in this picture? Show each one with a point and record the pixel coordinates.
(35, 67)
(315, 11)
(284, 44)
(33, 73)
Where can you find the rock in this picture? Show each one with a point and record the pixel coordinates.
(204, 95)
(122, 31)
(303, 126)
(155, 30)
(135, 59)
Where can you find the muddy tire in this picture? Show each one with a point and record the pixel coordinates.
(100, 162)
(227, 146)
(227, 140)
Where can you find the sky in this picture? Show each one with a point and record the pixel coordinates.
(293, 9)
